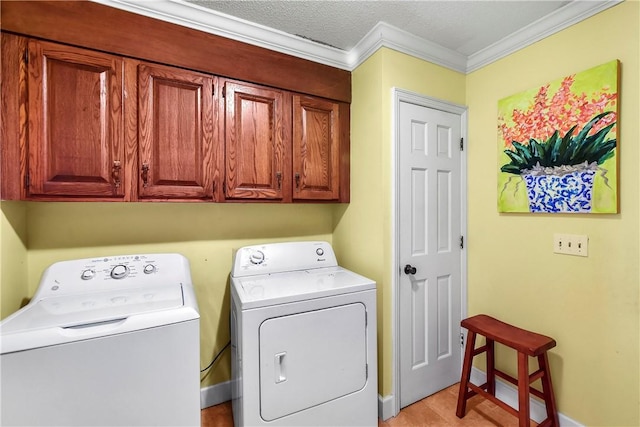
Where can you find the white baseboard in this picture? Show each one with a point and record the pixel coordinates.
(215, 394)
(386, 407)
(220, 393)
(504, 391)
(509, 395)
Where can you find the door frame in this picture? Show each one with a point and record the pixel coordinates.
(398, 96)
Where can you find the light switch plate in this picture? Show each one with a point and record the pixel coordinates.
(571, 244)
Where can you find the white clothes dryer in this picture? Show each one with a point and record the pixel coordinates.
(303, 338)
(110, 341)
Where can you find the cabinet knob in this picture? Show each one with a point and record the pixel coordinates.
(115, 173)
(145, 174)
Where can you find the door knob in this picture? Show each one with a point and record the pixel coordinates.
(409, 269)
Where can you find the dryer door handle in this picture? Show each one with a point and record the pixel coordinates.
(280, 365)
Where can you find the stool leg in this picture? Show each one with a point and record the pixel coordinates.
(523, 390)
(491, 364)
(547, 390)
(466, 374)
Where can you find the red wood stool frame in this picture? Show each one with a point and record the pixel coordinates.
(527, 344)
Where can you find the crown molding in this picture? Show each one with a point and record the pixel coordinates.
(385, 35)
(199, 18)
(381, 35)
(562, 18)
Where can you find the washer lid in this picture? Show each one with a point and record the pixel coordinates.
(57, 320)
(273, 289)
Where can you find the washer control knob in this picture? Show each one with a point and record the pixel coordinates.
(320, 251)
(88, 274)
(149, 268)
(119, 271)
(256, 257)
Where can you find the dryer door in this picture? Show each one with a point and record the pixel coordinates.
(310, 358)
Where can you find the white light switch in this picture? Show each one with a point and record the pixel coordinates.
(571, 244)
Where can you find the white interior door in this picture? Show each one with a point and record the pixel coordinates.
(429, 246)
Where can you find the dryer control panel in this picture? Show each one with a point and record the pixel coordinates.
(282, 257)
(113, 273)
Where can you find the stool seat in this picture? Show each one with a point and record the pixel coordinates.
(521, 340)
(527, 344)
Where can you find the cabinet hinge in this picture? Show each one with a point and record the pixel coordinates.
(461, 144)
(366, 371)
(26, 181)
(26, 56)
(224, 91)
(461, 242)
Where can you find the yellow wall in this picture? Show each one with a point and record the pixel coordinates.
(13, 256)
(206, 234)
(589, 305)
(363, 230)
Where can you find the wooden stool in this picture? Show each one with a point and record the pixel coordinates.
(526, 344)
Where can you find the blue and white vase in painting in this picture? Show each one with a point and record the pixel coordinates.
(568, 193)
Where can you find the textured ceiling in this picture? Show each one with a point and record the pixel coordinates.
(462, 26)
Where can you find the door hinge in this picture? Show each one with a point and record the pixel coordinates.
(26, 56)
(461, 144)
(461, 242)
(461, 339)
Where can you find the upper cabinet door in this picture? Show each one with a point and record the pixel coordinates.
(257, 158)
(75, 122)
(175, 133)
(316, 149)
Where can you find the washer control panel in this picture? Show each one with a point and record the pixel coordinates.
(282, 257)
(112, 273)
(123, 266)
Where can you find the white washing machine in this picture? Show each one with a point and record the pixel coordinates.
(303, 339)
(105, 341)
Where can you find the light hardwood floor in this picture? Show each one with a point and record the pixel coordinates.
(436, 410)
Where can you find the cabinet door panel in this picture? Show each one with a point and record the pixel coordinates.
(75, 122)
(176, 133)
(316, 144)
(256, 146)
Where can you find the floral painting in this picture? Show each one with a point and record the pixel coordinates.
(558, 145)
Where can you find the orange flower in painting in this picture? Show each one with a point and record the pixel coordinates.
(564, 110)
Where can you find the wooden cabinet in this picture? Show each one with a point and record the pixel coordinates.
(80, 124)
(316, 148)
(257, 140)
(283, 146)
(13, 117)
(75, 121)
(176, 136)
